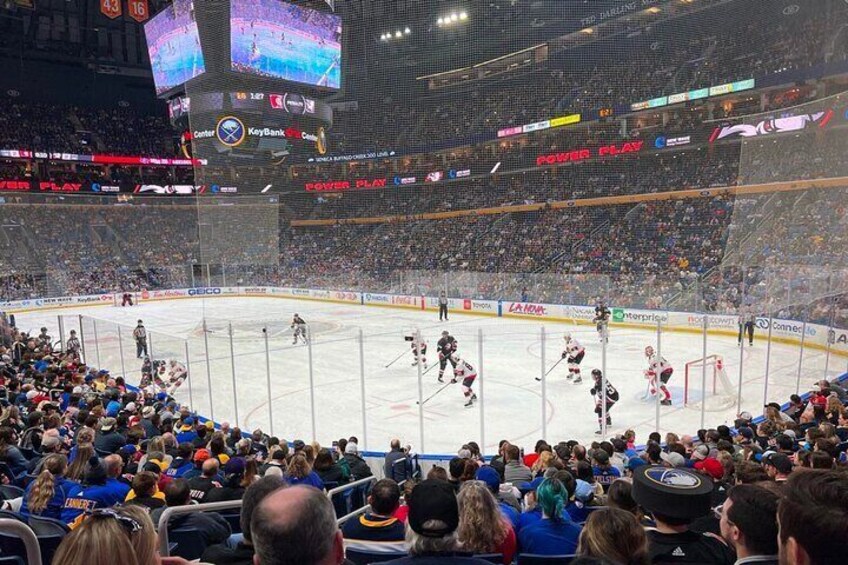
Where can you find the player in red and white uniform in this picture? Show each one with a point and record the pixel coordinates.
(419, 352)
(464, 370)
(177, 374)
(657, 365)
(574, 353)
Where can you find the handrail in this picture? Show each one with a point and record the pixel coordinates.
(353, 514)
(18, 528)
(162, 526)
(348, 486)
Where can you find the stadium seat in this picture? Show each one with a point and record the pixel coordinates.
(50, 534)
(234, 520)
(6, 471)
(190, 544)
(10, 492)
(530, 559)
(359, 557)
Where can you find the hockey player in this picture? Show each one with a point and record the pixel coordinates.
(597, 391)
(44, 338)
(574, 353)
(463, 369)
(658, 366)
(419, 351)
(126, 299)
(177, 374)
(602, 316)
(299, 327)
(447, 347)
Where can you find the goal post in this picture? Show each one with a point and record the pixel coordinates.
(118, 297)
(719, 394)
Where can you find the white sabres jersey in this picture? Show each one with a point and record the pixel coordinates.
(464, 369)
(657, 364)
(573, 348)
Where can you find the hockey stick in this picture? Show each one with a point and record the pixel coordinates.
(396, 359)
(551, 369)
(426, 400)
(428, 369)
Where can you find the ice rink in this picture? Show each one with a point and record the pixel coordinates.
(511, 400)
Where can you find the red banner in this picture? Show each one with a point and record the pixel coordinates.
(139, 10)
(111, 8)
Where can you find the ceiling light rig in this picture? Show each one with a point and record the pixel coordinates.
(452, 19)
(399, 33)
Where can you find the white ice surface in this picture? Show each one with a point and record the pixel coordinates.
(510, 398)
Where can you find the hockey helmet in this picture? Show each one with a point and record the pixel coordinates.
(445, 333)
(455, 358)
(567, 336)
(596, 373)
(649, 351)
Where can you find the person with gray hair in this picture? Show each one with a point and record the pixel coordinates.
(296, 526)
(431, 532)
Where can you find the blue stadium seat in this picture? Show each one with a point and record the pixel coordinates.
(359, 557)
(190, 543)
(530, 559)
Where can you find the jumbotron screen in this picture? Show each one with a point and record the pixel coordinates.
(279, 40)
(174, 46)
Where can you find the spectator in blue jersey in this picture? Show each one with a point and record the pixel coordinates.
(378, 530)
(555, 533)
(46, 495)
(492, 480)
(604, 472)
(186, 432)
(299, 472)
(211, 525)
(182, 463)
(102, 488)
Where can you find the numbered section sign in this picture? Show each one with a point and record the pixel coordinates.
(139, 10)
(111, 8)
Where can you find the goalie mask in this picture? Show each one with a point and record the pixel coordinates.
(567, 337)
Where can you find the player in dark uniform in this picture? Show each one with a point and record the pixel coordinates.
(597, 391)
(299, 327)
(447, 347)
(602, 316)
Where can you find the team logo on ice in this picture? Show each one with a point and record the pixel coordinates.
(230, 131)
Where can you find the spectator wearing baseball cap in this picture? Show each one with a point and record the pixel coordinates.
(510, 509)
(108, 439)
(432, 524)
(673, 459)
(187, 433)
(233, 487)
(778, 466)
(605, 473)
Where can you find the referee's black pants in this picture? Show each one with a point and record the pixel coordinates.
(443, 311)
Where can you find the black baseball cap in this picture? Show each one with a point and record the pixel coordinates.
(433, 499)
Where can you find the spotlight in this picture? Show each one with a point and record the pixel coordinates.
(407, 31)
(454, 17)
(398, 34)
(463, 16)
(440, 21)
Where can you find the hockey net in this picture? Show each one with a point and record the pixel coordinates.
(719, 394)
(118, 298)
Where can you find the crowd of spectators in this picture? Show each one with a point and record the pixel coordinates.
(82, 448)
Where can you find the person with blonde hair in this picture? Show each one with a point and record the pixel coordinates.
(545, 460)
(614, 536)
(113, 535)
(46, 495)
(482, 527)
